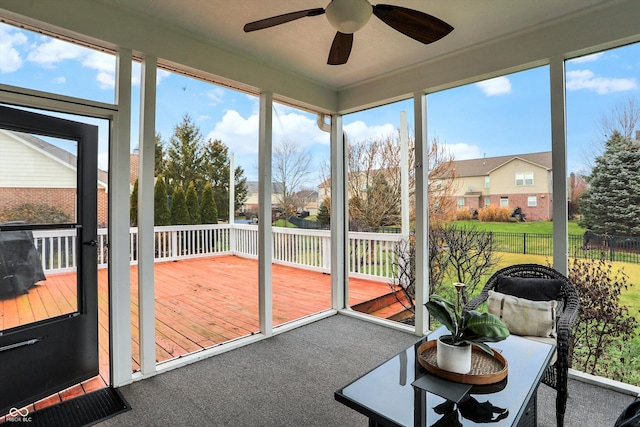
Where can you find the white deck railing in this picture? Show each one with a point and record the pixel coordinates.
(371, 255)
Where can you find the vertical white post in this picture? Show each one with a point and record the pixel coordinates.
(559, 165)
(265, 234)
(232, 190)
(422, 213)
(232, 204)
(339, 216)
(146, 238)
(404, 173)
(119, 284)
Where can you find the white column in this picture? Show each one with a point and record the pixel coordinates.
(339, 216)
(404, 173)
(422, 213)
(559, 165)
(265, 235)
(232, 204)
(146, 245)
(119, 284)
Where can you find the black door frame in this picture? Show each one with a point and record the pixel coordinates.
(45, 357)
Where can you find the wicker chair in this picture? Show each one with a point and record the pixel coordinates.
(556, 374)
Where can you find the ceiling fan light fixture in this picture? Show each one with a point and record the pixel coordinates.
(348, 16)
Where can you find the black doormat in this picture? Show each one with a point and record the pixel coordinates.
(85, 410)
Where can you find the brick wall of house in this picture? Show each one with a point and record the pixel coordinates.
(61, 198)
(541, 212)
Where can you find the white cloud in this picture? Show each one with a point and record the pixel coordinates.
(216, 96)
(11, 59)
(586, 79)
(463, 151)
(53, 51)
(240, 134)
(105, 64)
(359, 131)
(588, 58)
(59, 80)
(496, 86)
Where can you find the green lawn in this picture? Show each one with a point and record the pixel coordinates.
(536, 227)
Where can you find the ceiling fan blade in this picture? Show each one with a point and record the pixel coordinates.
(412, 23)
(281, 19)
(340, 49)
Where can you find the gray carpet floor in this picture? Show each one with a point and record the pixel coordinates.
(290, 379)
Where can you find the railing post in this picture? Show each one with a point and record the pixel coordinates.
(524, 243)
(174, 244)
(326, 252)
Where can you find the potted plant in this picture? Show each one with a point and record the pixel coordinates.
(468, 328)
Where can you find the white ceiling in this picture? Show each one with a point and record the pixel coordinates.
(206, 37)
(302, 46)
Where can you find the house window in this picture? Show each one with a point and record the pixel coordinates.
(487, 182)
(532, 201)
(528, 178)
(487, 201)
(504, 201)
(525, 178)
(460, 202)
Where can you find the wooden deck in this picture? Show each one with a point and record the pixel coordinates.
(199, 303)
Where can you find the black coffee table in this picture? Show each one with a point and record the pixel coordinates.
(388, 398)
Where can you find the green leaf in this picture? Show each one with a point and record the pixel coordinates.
(443, 315)
(488, 326)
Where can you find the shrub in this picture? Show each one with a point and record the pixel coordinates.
(493, 213)
(208, 209)
(193, 206)
(161, 213)
(179, 212)
(33, 213)
(464, 215)
(604, 328)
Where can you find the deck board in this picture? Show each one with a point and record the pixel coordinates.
(199, 303)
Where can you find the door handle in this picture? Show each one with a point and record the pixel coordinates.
(91, 243)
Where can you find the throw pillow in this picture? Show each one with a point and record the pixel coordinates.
(534, 289)
(523, 316)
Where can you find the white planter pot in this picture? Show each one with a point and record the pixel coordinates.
(453, 358)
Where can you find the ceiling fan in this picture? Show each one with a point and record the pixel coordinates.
(348, 16)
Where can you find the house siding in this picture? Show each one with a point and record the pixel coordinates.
(470, 183)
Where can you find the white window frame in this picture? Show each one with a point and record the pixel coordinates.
(487, 201)
(528, 178)
(460, 202)
(532, 201)
(487, 182)
(504, 201)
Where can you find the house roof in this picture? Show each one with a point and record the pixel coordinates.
(253, 187)
(484, 166)
(206, 38)
(57, 154)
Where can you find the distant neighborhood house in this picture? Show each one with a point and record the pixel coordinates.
(34, 171)
(520, 180)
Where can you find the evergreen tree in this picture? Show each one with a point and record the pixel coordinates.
(208, 210)
(179, 211)
(161, 214)
(324, 211)
(193, 207)
(184, 155)
(159, 156)
(133, 206)
(216, 171)
(611, 204)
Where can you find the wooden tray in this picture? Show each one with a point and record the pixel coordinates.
(485, 369)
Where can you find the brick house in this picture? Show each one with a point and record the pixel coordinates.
(55, 187)
(520, 180)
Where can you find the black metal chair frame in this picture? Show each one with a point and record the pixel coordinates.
(555, 375)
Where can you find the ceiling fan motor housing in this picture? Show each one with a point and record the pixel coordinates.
(348, 16)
